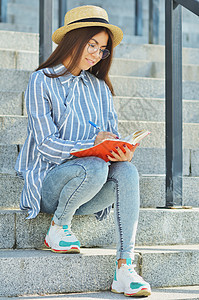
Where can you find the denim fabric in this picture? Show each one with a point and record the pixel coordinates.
(83, 186)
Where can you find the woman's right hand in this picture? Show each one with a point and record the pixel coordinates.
(103, 135)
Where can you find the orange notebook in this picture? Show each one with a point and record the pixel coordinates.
(103, 149)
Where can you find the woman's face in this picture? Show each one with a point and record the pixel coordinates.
(90, 59)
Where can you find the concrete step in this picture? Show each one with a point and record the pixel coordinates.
(19, 37)
(166, 293)
(8, 156)
(13, 131)
(191, 39)
(128, 108)
(152, 191)
(16, 28)
(147, 160)
(189, 36)
(153, 187)
(150, 88)
(29, 60)
(147, 68)
(11, 187)
(39, 271)
(11, 103)
(177, 226)
(17, 41)
(20, 60)
(152, 109)
(16, 80)
(17, 127)
(195, 159)
(157, 137)
(130, 38)
(153, 52)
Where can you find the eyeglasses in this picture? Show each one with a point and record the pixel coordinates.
(92, 48)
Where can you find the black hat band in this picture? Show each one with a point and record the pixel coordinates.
(90, 20)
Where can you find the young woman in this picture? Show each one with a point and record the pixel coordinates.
(67, 91)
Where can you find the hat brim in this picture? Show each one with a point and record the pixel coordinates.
(60, 32)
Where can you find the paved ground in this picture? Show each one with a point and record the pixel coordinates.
(175, 293)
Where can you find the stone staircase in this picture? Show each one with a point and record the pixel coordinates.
(23, 16)
(167, 243)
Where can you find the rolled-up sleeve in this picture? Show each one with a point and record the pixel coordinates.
(44, 130)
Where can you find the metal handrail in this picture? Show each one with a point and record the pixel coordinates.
(153, 36)
(138, 18)
(153, 21)
(62, 11)
(45, 26)
(3, 11)
(173, 60)
(45, 29)
(192, 5)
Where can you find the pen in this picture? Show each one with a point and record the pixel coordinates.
(97, 127)
(94, 125)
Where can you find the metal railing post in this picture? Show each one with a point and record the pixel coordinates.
(3, 11)
(153, 21)
(174, 152)
(192, 5)
(45, 29)
(138, 17)
(62, 11)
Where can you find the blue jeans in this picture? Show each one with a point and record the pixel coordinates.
(83, 186)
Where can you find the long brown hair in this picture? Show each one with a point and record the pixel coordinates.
(74, 42)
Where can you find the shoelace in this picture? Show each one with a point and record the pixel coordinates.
(67, 232)
(131, 270)
(64, 231)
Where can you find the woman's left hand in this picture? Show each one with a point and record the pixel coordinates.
(121, 156)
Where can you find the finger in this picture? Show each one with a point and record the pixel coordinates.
(111, 158)
(115, 136)
(121, 156)
(134, 147)
(112, 135)
(116, 155)
(121, 153)
(128, 154)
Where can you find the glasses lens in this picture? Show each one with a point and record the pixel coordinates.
(105, 53)
(91, 48)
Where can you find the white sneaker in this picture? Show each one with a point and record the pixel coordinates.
(127, 281)
(61, 239)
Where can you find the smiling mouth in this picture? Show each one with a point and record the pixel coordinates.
(91, 62)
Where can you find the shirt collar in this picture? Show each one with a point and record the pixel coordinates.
(69, 77)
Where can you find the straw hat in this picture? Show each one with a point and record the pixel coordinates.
(87, 16)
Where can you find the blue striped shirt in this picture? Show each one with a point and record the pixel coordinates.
(58, 113)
